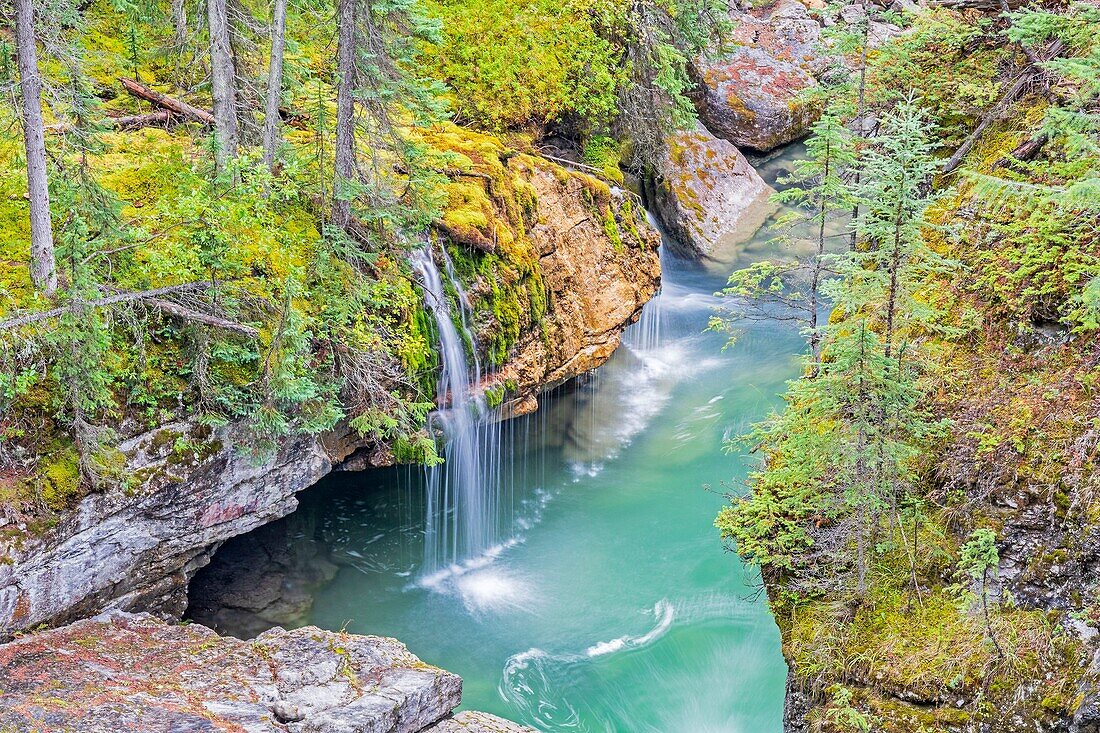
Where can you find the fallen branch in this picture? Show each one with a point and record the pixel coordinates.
(186, 314)
(169, 103)
(1007, 99)
(128, 122)
(1026, 150)
(988, 119)
(29, 318)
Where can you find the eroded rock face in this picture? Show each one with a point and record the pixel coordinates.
(596, 283)
(266, 578)
(750, 96)
(122, 672)
(710, 198)
(136, 550)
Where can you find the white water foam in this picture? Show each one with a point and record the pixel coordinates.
(664, 613)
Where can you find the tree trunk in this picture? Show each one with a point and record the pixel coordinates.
(179, 23)
(345, 113)
(815, 284)
(861, 111)
(169, 103)
(894, 266)
(274, 83)
(43, 264)
(223, 80)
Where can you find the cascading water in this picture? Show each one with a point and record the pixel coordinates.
(646, 333)
(464, 494)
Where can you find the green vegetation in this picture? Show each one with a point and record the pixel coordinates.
(937, 395)
(246, 266)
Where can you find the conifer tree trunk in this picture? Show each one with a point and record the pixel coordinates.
(43, 265)
(345, 111)
(894, 266)
(179, 22)
(861, 111)
(815, 284)
(274, 83)
(223, 80)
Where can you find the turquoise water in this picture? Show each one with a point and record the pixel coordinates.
(610, 605)
(606, 602)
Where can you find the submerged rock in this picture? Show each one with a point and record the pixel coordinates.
(123, 672)
(710, 198)
(752, 94)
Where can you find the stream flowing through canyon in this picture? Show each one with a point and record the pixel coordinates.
(604, 600)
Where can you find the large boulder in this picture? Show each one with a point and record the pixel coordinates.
(709, 197)
(752, 95)
(123, 672)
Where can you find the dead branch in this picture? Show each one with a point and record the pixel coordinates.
(186, 314)
(100, 302)
(173, 105)
(128, 122)
(1026, 150)
(1007, 99)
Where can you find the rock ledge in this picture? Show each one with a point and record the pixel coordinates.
(127, 672)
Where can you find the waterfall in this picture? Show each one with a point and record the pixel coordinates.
(464, 493)
(645, 335)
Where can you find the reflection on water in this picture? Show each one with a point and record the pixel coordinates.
(610, 605)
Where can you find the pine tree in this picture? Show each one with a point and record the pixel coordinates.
(790, 289)
(894, 195)
(43, 261)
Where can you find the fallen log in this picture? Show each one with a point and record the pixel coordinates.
(169, 103)
(127, 122)
(1025, 151)
(1007, 100)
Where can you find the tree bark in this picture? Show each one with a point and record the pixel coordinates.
(223, 80)
(179, 22)
(274, 83)
(861, 111)
(43, 263)
(345, 112)
(127, 122)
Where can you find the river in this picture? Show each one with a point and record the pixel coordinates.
(610, 604)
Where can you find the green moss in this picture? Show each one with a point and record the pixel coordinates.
(59, 479)
(611, 229)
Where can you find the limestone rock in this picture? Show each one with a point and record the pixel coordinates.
(123, 672)
(750, 95)
(473, 722)
(596, 284)
(137, 549)
(710, 198)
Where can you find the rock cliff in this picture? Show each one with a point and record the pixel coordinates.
(559, 265)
